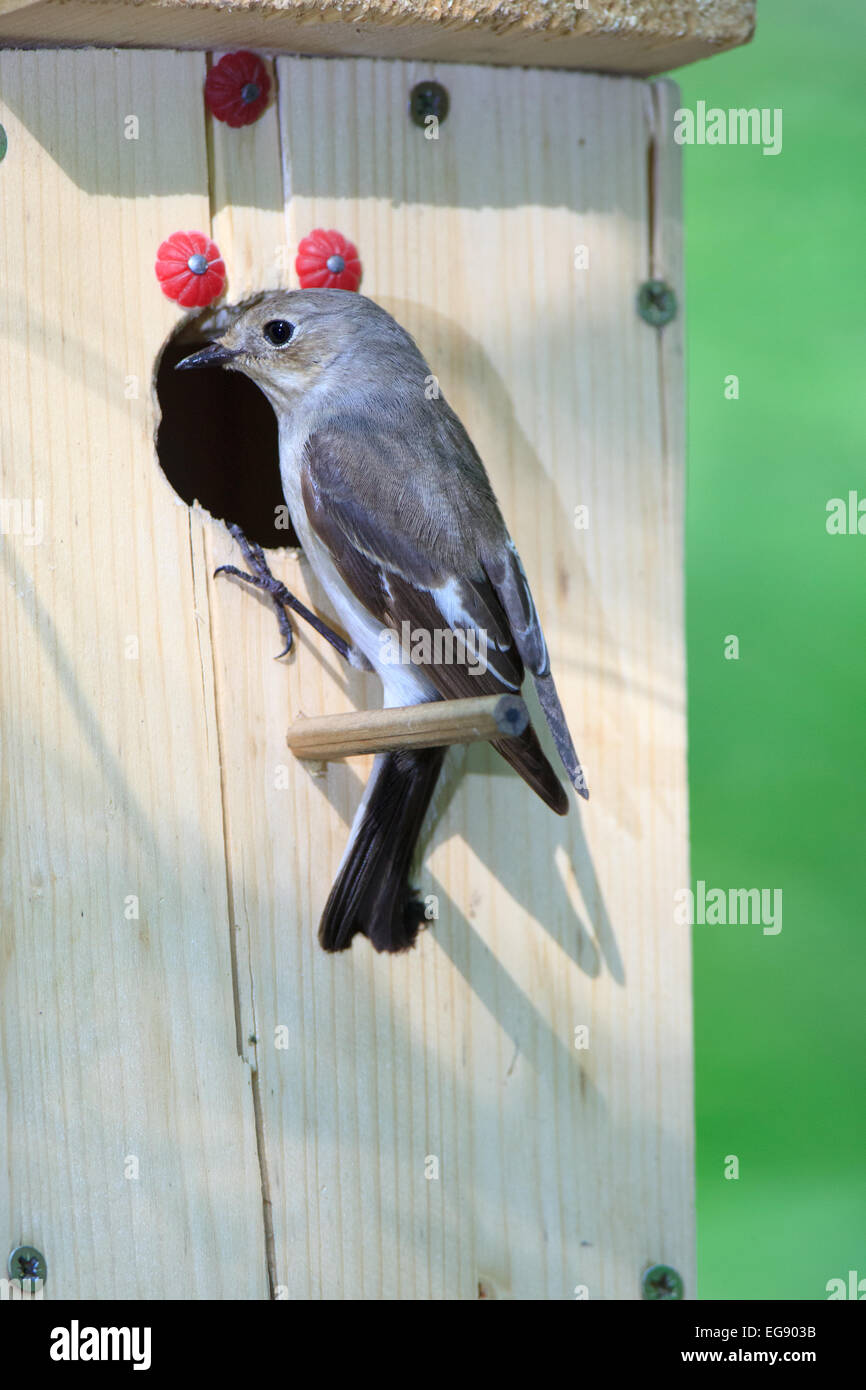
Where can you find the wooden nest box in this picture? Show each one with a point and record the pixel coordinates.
(505, 1111)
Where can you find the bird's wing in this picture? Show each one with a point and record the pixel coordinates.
(409, 554)
(505, 573)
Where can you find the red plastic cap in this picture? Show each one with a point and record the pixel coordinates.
(326, 260)
(190, 269)
(237, 89)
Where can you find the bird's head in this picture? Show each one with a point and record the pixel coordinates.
(291, 342)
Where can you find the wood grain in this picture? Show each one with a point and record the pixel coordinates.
(422, 1126)
(633, 36)
(558, 1167)
(130, 1147)
(440, 724)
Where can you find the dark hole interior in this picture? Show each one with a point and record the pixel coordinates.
(217, 444)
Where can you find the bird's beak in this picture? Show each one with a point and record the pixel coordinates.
(215, 355)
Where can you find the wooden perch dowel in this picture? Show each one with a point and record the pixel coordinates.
(412, 726)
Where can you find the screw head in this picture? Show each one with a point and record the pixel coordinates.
(428, 99)
(4, 142)
(661, 1281)
(250, 91)
(656, 303)
(511, 715)
(26, 1263)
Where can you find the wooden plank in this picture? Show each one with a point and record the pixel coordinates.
(626, 36)
(132, 1160)
(672, 985)
(430, 1128)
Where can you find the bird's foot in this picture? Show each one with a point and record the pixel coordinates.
(260, 577)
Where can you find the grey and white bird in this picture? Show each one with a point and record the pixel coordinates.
(399, 523)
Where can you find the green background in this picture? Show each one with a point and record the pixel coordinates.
(776, 293)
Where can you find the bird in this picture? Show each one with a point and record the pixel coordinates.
(398, 520)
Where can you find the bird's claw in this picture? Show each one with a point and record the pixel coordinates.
(262, 579)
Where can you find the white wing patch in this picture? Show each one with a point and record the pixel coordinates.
(449, 600)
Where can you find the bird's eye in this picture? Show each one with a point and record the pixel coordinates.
(278, 332)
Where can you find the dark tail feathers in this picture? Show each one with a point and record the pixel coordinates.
(371, 894)
(527, 757)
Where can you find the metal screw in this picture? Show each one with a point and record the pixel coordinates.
(656, 303)
(660, 1281)
(26, 1262)
(4, 143)
(428, 99)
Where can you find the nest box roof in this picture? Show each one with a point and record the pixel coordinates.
(619, 36)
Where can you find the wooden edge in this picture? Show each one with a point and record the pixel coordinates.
(639, 37)
(433, 725)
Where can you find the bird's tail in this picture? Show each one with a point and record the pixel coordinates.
(527, 757)
(371, 894)
(553, 713)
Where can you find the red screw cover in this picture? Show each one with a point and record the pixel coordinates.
(190, 269)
